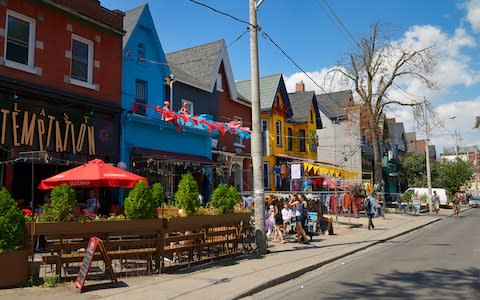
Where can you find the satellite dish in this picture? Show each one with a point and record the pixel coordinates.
(122, 165)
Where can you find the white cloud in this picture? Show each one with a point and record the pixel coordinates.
(443, 134)
(473, 14)
(324, 78)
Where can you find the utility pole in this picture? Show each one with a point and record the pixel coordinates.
(257, 151)
(427, 154)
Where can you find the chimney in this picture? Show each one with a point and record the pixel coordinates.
(300, 86)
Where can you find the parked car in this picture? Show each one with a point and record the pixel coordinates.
(474, 201)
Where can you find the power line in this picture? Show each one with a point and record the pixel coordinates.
(222, 13)
(336, 20)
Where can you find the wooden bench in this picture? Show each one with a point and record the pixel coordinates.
(218, 239)
(67, 250)
(176, 244)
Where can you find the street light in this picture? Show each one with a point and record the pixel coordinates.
(456, 135)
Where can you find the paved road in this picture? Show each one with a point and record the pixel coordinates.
(439, 261)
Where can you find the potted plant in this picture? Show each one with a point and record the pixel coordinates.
(186, 198)
(13, 256)
(139, 203)
(224, 198)
(62, 204)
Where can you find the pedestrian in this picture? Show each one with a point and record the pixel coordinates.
(456, 204)
(277, 236)
(304, 200)
(299, 216)
(270, 216)
(287, 214)
(370, 210)
(436, 203)
(380, 211)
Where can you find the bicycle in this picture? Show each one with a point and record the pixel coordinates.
(247, 238)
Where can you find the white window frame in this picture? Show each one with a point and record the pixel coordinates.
(238, 140)
(219, 82)
(266, 179)
(278, 133)
(190, 105)
(89, 83)
(30, 66)
(265, 137)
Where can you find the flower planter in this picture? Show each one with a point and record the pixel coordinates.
(167, 212)
(95, 227)
(14, 268)
(198, 222)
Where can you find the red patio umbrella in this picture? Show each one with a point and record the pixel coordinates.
(94, 174)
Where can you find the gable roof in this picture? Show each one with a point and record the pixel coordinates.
(268, 89)
(130, 20)
(333, 104)
(198, 66)
(301, 102)
(141, 16)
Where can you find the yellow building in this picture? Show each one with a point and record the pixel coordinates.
(289, 125)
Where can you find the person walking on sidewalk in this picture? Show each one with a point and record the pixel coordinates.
(370, 210)
(297, 203)
(436, 203)
(278, 236)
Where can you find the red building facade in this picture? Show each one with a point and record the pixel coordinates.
(60, 85)
(233, 147)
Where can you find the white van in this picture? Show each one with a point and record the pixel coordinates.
(442, 193)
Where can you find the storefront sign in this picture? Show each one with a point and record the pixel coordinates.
(44, 130)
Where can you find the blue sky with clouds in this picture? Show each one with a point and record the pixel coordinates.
(316, 34)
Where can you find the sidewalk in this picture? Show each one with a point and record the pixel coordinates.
(238, 277)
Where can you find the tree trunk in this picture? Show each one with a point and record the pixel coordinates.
(377, 155)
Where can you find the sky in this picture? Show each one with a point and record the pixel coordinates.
(317, 34)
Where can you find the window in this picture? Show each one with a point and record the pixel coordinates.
(219, 82)
(20, 42)
(266, 175)
(141, 51)
(278, 133)
(141, 95)
(238, 139)
(301, 135)
(311, 116)
(289, 139)
(265, 135)
(82, 61)
(188, 105)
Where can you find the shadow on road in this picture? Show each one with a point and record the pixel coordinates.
(445, 283)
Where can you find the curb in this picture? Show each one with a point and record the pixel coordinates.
(290, 276)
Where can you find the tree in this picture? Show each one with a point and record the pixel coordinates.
(412, 170)
(139, 203)
(452, 174)
(62, 204)
(373, 68)
(158, 194)
(224, 198)
(186, 197)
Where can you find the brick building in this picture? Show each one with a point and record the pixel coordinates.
(60, 84)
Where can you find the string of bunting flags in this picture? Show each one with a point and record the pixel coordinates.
(203, 121)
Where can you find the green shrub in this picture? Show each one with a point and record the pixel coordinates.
(12, 223)
(224, 198)
(407, 197)
(186, 198)
(158, 194)
(62, 204)
(139, 203)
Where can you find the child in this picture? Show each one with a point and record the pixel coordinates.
(287, 213)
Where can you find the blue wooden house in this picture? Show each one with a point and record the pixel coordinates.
(151, 146)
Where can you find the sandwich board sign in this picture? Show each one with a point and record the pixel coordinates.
(93, 244)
